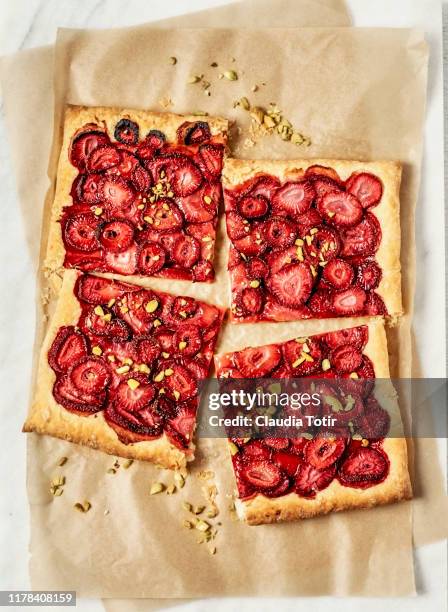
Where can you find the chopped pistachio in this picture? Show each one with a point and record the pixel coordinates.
(111, 302)
(172, 60)
(165, 355)
(365, 442)
(212, 513)
(257, 114)
(96, 350)
(133, 384)
(169, 372)
(111, 471)
(326, 365)
(98, 311)
(151, 306)
(127, 361)
(212, 550)
(157, 322)
(354, 375)
(182, 345)
(160, 376)
(335, 404)
(171, 489)
(202, 525)
(58, 492)
(187, 506)
(62, 461)
(254, 284)
(156, 487)
(299, 242)
(233, 448)
(111, 358)
(297, 138)
(187, 524)
(193, 79)
(122, 369)
(231, 75)
(176, 394)
(268, 121)
(144, 368)
(298, 362)
(198, 509)
(98, 211)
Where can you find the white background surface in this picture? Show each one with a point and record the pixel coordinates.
(29, 23)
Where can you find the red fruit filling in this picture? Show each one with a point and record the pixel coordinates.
(275, 466)
(129, 359)
(316, 240)
(131, 190)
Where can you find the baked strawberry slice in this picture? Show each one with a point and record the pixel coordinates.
(261, 474)
(68, 347)
(210, 160)
(366, 187)
(84, 142)
(277, 260)
(197, 365)
(180, 428)
(66, 394)
(255, 450)
(148, 351)
(287, 462)
(154, 140)
(310, 480)
(193, 132)
(202, 205)
(116, 235)
(339, 273)
(363, 239)
(237, 227)
(151, 258)
(131, 397)
(291, 285)
(124, 262)
(323, 451)
(102, 158)
(90, 188)
(90, 375)
(308, 220)
(180, 385)
(349, 302)
(253, 244)
(317, 171)
(165, 339)
(128, 163)
(257, 269)
(366, 369)
(184, 307)
(375, 305)
(138, 309)
(374, 423)
(279, 233)
(321, 303)
(346, 358)
(322, 244)
(303, 356)
(324, 185)
(188, 339)
(164, 216)
(126, 132)
(184, 176)
(277, 443)
(369, 275)
(141, 179)
(355, 336)
(186, 251)
(298, 445)
(101, 323)
(117, 194)
(340, 209)
(263, 185)
(364, 468)
(95, 290)
(250, 300)
(80, 232)
(253, 207)
(293, 198)
(257, 362)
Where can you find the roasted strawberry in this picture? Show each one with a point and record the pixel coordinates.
(164, 216)
(261, 474)
(102, 158)
(375, 305)
(237, 227)
(367, 188)
(253, 207)
(292, 284)
(322, 244)
(133, 394)
(202, 205)
(84, 142)
(309, 480)
(346, 358)
(117, 195)
(324, 185)
(339, 273)
(255, 450)
(124, 262)
(366, 369)
(165, 339)
(141, 179)
(180, 428)
(151, 258)
(308, 220)
(277, 443)
(374, 423)
(317, 171)
(364, 468)
(69, 346)
(99, 321)
(155, 139)
(287, 462)
(186, 251)
(90, 188)
(340, 209)
(210, 160)
(253, 244)
(126, 132)
(184, 176)
(95, 290)
(356, 336)
(187, 339)
(138, 310)
(368, 275)
(148, 350)
(303, 356)
(362, 239)
(279, 233)
(257, 269)
(265, 186)
(90, 375)
(80, 232)
(257, 362)
(191, 133)
(293, 198)
(69, 396)
(184, 307)
(128, 163)
(203, 271)
(323, 451)
(251, 300)
(180, 384)
(321, 303)
(349, 302)
(277, 260)
(116, 235)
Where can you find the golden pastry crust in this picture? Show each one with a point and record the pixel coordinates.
(336, 497)
(387, 211)
(46, 416)
(105, 117)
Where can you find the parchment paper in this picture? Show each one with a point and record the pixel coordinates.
(349, 582)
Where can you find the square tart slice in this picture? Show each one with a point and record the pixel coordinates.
(355, 464)
(313, 239)
(137, 193)
(119, 369)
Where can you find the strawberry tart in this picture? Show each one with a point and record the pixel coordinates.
(359, 463)
(137, 193)
(120, 366)
(313, 239)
